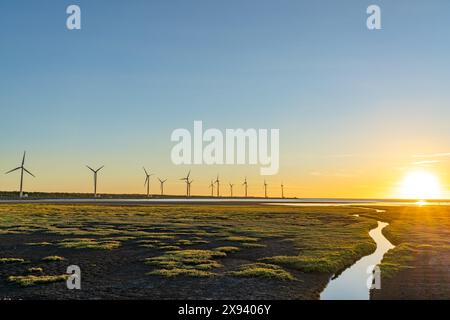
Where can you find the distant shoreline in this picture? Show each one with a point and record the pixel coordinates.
(218, 201)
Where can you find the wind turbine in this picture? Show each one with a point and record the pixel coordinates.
(95, 178)
(282, 190)
(265, 189)
(231, 189)
(218, 186)
(246, 186)
(147, 181)
(212, 188)
(22, 169)
(187, 183)
(162, 185)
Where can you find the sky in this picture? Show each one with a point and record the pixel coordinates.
(357, 109)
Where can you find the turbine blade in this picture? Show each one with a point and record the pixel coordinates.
(29, 173)
(23, 159)
(99, 168)
(90, 168)
(145, 171)
(13, 170)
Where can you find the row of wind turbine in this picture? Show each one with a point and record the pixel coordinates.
(188, 181)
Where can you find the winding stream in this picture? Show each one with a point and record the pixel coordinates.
(352, 283)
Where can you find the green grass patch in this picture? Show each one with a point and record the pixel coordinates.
(189, 242)
(53, 258)
(35, 270)
(323, 260)
(262, 270)
(169, 248)
(31, 280)
(181, 260)
(241, 239)
(397, 259)
(87, 243)
(252, 245)
(226, 249)
(11, 260)
(176, 272)
(39, 244)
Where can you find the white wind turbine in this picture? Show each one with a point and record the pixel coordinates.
(147, 181)
(162, 185)
(245, 184)
(282, 190)
(95, 178)
(265, 189)
(231, 189)
(212, 188)
(218, 185)
(22, 170)
(188, 184)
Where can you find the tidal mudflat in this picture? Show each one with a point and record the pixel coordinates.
(195, 252)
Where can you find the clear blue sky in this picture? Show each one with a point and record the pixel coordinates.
(113, 92)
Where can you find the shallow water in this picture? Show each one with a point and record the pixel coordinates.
(352, 283)
(269, 201)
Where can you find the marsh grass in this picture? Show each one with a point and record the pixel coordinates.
(31, 280)
(169, 248)
(322, 261)
(227, 249)
(39, 244)
(176, 272)
(421, 235)
(241, 239)
(11, 260)
(88, 243)
(35, 270)
(53, 258)
(252, 245)
(189, 242)
(322, 239)
(178, 262)
(262, 270)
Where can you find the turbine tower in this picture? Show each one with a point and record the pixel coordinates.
(186, 179)
(162, 185)
(189, 182)
(282, 190)
(22, 169)
(218, 185)
(147, 181)
(212, 188)
(245, 184)
(231, 189)
(95, 178)
(265, 189)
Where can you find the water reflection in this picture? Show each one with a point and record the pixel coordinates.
(352, 283)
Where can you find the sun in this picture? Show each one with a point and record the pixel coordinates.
(420, 185)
